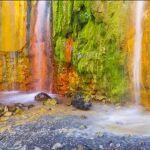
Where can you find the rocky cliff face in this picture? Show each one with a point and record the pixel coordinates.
(93, 47)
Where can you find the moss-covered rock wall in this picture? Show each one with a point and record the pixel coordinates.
(98, 30)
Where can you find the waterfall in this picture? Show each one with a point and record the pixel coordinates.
(41, 48)
(137, 49)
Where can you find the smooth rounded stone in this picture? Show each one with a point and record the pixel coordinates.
(99, 134)
(111, 145)
(30, 106)
(57, 146)
(42, 97)
(11, 108)
(101, 147)
(79, 102)
(83, 127)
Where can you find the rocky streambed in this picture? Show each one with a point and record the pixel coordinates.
(62, 127)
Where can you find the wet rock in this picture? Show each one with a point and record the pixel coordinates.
(57, 146)
(11, 108)
(80, 103)
(42, 97)
(50, 102)
(30, 106)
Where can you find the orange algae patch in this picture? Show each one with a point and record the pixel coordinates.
(68, 50)
(66, 80)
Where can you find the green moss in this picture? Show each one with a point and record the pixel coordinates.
(98, 29)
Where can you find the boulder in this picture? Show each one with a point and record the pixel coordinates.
(11, 108)
(42, 97)
(80, 103)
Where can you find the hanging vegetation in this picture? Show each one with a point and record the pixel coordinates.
(98, 30)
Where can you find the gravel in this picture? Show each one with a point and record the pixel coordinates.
(65, 133)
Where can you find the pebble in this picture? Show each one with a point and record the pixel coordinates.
(117, 145)
(57, 146)
(83, 127)
(99, 134)
(111, 145)
(37, 148)
(101, 147)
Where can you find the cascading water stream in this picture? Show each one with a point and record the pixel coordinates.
(41, 48)
(137, 49)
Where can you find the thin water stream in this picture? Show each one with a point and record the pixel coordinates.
(137, 50)
(41, 48)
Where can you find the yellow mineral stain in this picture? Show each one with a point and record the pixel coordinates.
(13, 26)
(145, 80)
